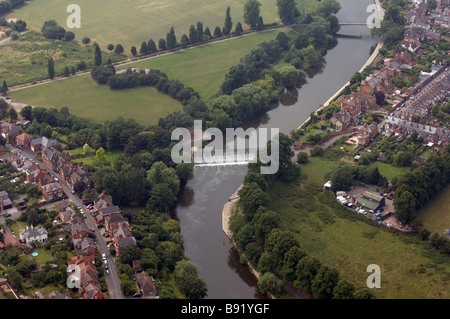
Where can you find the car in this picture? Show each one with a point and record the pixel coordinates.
(137, 295)
(107, 271)
(7, 215)
(73, 192)
(106, 267)
(106, 262)
(104, 256)
(92, 229)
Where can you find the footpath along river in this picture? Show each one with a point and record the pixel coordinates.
(199, 210)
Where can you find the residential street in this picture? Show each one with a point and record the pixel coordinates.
(112, 280)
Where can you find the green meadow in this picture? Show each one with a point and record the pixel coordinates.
(342, 239)
(202, 68)
(87, 99)
(129, 22)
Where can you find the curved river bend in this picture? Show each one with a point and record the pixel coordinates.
(200, 209)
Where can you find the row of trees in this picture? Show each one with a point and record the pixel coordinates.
(415, 188)
(256, 230)
(343, 176)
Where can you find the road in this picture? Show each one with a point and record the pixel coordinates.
(112, 280)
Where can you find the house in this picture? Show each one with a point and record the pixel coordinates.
(357, 103)
(79, 230)
(120, 232)
(10, 239)
(55, 159)
(57, 295)
(9, 131)
(42, 142)
(84, 267)
(33, 234)
(23, 140)
(411, 44)
(146, 284)
(103, 204)
(84, 246)
(52, 190)
(298, 145)
(342, 120)
(67, 215)
(366, 132)
(378, 81)
(438, 135)
(5, 202)
(75, 174)
(370, 201)
(36, 175)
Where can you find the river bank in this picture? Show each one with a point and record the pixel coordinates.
(368, 62)
(229, 207)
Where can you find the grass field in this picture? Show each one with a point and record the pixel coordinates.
(315, 171)
(196, 67)
(389, 171)
(129, 22)
(408, 269)
(25, 60)
(435, 216)
(85, 98)
(204, 68)
(111, 156)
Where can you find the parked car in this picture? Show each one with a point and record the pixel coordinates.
(7, 215)
(104, 256)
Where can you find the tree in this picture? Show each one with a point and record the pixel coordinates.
(193, 34)
(270, 283)
(341, 178)
(162, 45)
(260, 25)
(118, 49)
(405, 206)
(184, 41)
(143, 50)
(66, 71)
(97, 55)
(238, 30)
(217, 32)
(12, 114)
(251, 12)
(4, 87)
(171, 39)
(251, 198)
(69, 36)
(100, 154)
(51, 30)
(228, 25)
(323, 284)
(51, 68)
(305, 272)
(328, 7)
(302, 158)
(200, 31)
(110, 47)
(151, 46)
(133, 51)
(186, 278)
(26, 113)
(85, 40)
(344, 290)
(287, 10)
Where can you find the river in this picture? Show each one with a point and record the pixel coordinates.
(199, 210)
